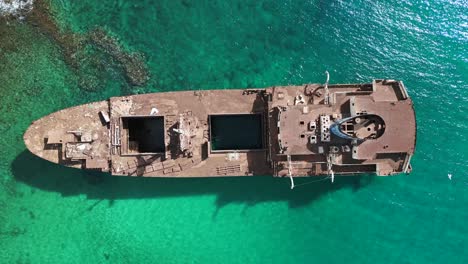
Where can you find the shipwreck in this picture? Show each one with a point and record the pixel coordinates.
(283, 131)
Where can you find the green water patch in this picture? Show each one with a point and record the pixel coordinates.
(31, 69)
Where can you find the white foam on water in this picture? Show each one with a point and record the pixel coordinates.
(15, 7)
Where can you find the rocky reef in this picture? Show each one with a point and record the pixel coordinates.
(132, 63)
(95, 56)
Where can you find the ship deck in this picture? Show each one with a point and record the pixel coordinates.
(279, 131)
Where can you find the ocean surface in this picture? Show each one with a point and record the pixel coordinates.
(60, 53)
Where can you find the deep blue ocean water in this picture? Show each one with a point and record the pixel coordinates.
(51, 214)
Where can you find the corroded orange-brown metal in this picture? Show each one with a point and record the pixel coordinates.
(93, 136)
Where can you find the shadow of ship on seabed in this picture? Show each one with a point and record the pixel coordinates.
(47, 176)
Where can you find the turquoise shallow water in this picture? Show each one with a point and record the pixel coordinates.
(50, 214)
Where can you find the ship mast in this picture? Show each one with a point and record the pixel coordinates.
(327, 93)
(330, 161)
(290, 172)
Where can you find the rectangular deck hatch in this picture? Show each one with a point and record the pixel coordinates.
(143, 134)
(236, 132)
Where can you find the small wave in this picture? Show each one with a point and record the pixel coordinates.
(16, 8)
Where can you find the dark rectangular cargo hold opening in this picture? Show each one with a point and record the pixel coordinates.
(144, 134)
(236, 132)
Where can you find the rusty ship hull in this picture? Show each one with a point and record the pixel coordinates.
(283, 131)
